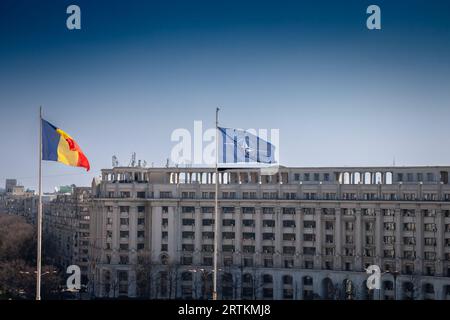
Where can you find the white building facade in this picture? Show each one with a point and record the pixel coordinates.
(293, 233)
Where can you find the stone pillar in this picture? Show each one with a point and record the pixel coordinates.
(358, 240)
(378, 236)
(198, 237)
(439, 243)
(318, 243)
(258, 236)
(418, 265)
(237, 255)
(398, 239)
(133, 234)
(298, 238)
(338, 233)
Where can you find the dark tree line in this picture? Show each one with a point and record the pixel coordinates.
(18, 262)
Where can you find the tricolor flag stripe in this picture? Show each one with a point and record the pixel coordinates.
(57, 145)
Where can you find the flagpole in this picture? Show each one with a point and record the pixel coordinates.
(216, 217)
(39, 215)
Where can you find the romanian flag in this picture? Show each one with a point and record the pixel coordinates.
(59, 146)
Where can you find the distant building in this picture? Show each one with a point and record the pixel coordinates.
(9, 185)
(66, 222)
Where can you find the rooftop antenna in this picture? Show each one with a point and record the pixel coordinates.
(167, 162)
(115, 161)
(133, 160)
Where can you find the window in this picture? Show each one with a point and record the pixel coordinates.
(248, 223)
(124, 221)
(187, 247)
(288, 210)
(124, 234)
(316, 177)
(208, 222)
(326, 177)
(288, 236)
(187, 261)
(228, 222)
(249, 195)
(207, 209)
(228, 209)
(248, 210)
(228, 248)
(269, 223)
(308, 224)
(309, 237)
(208, 195)
(188, 235)
(124, 209)
(227, 235)
(288, 223)
(269, 249)
(188, 195)
(208, 235)
(306, 177)
(268, 236)
(165, 195)
(123, 259)
(141, 194)
(248, 249)
(229, 195)
(188, 222)
(267, 210)
(207, 248)
(187, 209)
(248, 236)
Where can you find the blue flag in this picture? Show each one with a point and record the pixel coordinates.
(240, 146)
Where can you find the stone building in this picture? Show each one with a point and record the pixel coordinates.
(289, 233)
(66, 225)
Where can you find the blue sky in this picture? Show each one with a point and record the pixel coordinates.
(339, 93)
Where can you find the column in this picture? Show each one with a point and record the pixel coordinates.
(198, 237)
(115, 235)
(298, 236)
(133, 234)
(378, 236)
(418, 266)
(338, 233)
(398, 239)
(358, 240)
(258, 235)
(439, 243)
(318, 243)
(237, 255)
(278, 238)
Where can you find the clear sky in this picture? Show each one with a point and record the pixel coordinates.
(339, 93)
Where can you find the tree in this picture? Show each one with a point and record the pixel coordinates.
(18, 262)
